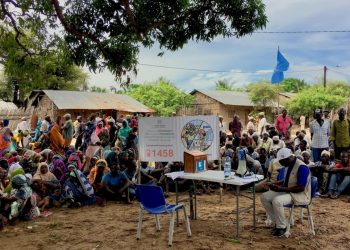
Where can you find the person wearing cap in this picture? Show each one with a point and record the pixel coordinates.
(320, 170)
(340, 133)
(283, 123)
(277, 142)
(296, 189)
(67, 130)
(340, 177)
(266, 142)
(262, 123)
(320, 131)
(305, 157)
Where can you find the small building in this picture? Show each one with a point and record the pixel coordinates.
(225, 103)
(59, 102)
(285, 97)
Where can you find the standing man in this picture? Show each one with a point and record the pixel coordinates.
(67, 130)
(340, 133)
(296, 189)
(320, 130)
(79, 133)
(283, 123)
(262, 123)
(222, 127)
(302, 122)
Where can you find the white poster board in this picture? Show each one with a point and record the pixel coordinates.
(167, 138)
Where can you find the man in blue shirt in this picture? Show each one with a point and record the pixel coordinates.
(115, 183)
(295, 188)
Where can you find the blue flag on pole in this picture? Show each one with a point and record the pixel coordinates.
(282, 65)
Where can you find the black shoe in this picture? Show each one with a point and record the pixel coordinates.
(273, 230)
(279, 232)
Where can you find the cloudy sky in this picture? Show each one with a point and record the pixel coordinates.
(255, 55)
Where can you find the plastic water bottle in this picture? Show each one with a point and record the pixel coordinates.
(227, 167)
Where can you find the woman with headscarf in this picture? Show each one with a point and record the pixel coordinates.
(67, 130)
(96, 174)
(37, 130)
(57, 142)
(5, 141)
(74, 157)
(123, 133)
(235, 127)
(23, 202)
(77, 191)
(44, 174)
(59, 169)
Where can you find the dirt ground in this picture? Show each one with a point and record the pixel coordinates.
(114, 227)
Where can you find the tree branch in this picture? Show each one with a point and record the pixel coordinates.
(130, 17)
(14, 24)
(74, 31)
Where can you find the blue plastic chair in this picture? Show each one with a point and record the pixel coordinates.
(314, 184)
(152, 200)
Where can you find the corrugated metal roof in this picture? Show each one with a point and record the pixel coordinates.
(229, 97)
(95, 101)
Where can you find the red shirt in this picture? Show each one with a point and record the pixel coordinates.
(340, 165)
(282, 124)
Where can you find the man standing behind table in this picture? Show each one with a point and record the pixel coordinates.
(320, 130)
(340, 133)
(296, 189)
(283, 123)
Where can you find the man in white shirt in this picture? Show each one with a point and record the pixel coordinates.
(23, 125)
(320, 131)
(262, 123)
(222, 125)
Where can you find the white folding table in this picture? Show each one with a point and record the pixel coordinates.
(218, 177)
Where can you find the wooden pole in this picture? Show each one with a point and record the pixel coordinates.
(325, 77)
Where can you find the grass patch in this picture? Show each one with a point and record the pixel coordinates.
(55, 225)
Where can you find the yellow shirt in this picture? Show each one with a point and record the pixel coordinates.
(340, 133)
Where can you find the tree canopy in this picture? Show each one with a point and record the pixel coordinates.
(317, 97)
(162, 96)
(43, 69)
(263, 94)
(108, 34)
(293, 85)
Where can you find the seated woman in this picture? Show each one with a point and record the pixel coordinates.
(59, 169)
(74, 157)
(21, 200)
(48, 178)
(96, 174)
(115, 184)
(41, 194)
(77, 191)
(3, 180)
